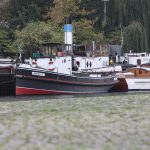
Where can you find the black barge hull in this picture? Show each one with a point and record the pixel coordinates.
(35, 82)
(7, 84)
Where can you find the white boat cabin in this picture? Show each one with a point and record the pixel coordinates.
(52, 57)
(137, 58)
(57, 64)
(55, 58)
(86, 63)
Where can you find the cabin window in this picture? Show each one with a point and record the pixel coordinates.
(138, 61)
(143, 55)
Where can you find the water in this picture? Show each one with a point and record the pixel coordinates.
(76, 122)
(50, 97)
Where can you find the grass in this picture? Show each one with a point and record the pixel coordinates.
(96, 122)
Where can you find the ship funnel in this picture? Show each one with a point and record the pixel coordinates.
(68, 36)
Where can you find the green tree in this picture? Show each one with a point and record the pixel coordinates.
(38, 32)
(19, 12)
(87, 17)
(5, 43)
(62, 9)
(85, 33)
(121, 12)
(135, 38)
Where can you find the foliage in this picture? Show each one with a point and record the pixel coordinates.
(135, 38)
(88, 21)
(113, 37)
(38, 32)
(20, 12)
(84, 32)
(93, 10)
(123, 13)
(5, 43)
(62, 9)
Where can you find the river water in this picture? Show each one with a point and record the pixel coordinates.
(112, 121)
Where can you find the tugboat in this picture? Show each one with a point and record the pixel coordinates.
(51, 71)
(55, 69)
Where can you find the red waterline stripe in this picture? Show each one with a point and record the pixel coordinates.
(30, 91)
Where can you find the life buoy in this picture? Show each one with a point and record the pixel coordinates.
(50, 63)
(78, 63)
(51, 69)
(34, 63)
(51, 66)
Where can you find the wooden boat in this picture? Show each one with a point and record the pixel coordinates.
(137, 78)
(53, 74)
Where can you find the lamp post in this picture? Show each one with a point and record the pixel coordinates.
(105, 11)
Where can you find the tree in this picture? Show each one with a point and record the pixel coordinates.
(20, 12)
(5, 43)
(93, 11)
(124, 12)
(135, 38)
(84, 32)
(87, 16)
(38, 32)
(62, 9)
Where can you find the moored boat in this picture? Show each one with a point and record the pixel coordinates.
(7, 78)
(53, 74)
(137, 78)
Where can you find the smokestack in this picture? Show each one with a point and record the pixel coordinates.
(68, 36)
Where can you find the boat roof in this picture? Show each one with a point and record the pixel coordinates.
(54, 44)
(141, 68)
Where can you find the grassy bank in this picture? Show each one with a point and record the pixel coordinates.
(119, 122)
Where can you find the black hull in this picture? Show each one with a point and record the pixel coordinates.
(7, 84)
(53, 83)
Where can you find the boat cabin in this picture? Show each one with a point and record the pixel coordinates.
(137, 58)
(52, 50)
(53, 57)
